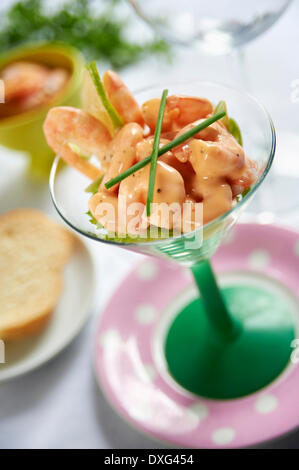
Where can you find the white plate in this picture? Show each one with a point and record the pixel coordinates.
(68, 318)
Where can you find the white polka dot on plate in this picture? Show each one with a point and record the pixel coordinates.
(141, 410)
(223, 436)
(297, 248)
(266, 404)
(109, 337)
(200, 410)
(150, 372)
(145, 314)
(147, 271)
(259, 259)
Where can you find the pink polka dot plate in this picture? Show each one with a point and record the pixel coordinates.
(129, 348)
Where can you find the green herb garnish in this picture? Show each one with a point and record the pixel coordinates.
(75, 148)
(229, 123)
(94, 186)
(221, 106)
(108, 106)
(241, 196)
(94, 221)
(154, 156)
(174, 143)
(234, 129)
(161, 233)
(99, 35)
(246, 191)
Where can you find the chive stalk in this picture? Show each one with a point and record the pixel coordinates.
(154, 155)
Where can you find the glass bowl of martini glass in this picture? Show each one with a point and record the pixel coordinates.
(213, 348)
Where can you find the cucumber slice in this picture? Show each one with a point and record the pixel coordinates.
(95, 100)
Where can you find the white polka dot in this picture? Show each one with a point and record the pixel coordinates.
(259, 259)
(141, 410)
(266, 404)
(150, 372)
(297, 248)
(223, 436)
(109, 337)
(266, 217)
(200, 410)
(147, 270)
(295, 352)
(145, 314)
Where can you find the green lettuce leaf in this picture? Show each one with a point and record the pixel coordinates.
(94, 186)
(234, 129)
(229, 123)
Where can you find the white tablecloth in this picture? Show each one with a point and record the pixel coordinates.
(60, 405)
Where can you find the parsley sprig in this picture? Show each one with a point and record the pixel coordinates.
(99, 35)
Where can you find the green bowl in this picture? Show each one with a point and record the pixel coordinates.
(24, 131)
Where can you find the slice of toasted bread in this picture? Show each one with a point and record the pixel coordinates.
(33, 252)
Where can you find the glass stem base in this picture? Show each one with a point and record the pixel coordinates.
(238, 366)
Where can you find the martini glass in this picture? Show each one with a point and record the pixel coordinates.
(228, 342)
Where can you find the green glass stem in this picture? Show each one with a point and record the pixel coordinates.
(222, 353)
(224, 327)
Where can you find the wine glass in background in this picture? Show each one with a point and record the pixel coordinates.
(213, 28)
(214, 33)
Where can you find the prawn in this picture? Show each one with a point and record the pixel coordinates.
(145, 147)
(122, 151)
(212, 152)
(100, 205)
(246, 177)
(54, 82)
(121, 98)
(65, 126)
(215, 195)
(179, 111)
(23, 78)
(169, 189)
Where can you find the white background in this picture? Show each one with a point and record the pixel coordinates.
(60, 405)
